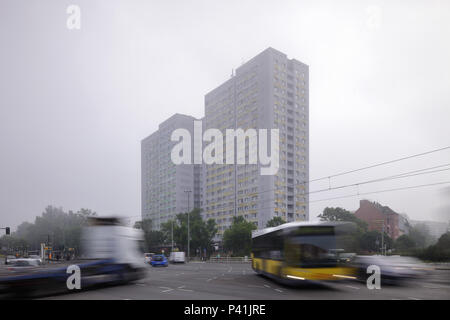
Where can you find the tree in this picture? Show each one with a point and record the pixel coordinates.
(62, 229)
(439, 251)
(154, 239)
(404, 243)
(201, 232)
(340, 214)
(238, 238)
(274, 222)
(351, 242)
(371, 241)
(421, 235)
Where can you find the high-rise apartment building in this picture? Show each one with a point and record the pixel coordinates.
(268, 92)
(164, 185)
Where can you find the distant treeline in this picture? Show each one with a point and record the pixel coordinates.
(55, 227)
(418, 242)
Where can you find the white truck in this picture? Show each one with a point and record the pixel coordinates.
(177, 257)
(110, 256)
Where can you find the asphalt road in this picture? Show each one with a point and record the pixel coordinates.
(205, 281)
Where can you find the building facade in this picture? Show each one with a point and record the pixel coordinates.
(381, 218)
(167, 189)
(268, 92)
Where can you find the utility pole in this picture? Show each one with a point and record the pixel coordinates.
(172, 235)
(189, 233)
(383, 249)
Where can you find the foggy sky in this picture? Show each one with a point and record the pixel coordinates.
(74, 104)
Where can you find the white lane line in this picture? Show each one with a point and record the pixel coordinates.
(208, 280)
(266, 286)
(231, 268)
(181, 287)
(253, 286)
(186, 290)
(278, 290)
(412, 298)
(168, 290)
(164, 287)
(351, 287)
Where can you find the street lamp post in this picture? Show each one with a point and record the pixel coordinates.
(189, 234)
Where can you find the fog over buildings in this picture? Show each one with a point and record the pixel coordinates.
(75, 104)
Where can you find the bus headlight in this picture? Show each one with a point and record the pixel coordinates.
(294, 277)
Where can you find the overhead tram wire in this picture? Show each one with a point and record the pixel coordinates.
(372, 192)
(405, 175)
(380, 164)
(361, 169)
(397, 176)
(371, 166)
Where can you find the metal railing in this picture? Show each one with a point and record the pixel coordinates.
(229, 260)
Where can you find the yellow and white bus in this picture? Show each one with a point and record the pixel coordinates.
(299, 251)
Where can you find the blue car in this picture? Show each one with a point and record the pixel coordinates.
(159, 260)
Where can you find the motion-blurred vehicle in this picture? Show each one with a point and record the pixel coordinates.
(393, 269)
(10, 258)
(159, 260)
(299, 252)
(148, 257)
(35, 257)
(177, 257)
(22, 264)
(110, 256)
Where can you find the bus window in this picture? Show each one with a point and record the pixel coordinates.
(310, 250)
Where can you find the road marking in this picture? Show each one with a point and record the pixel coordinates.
(435, 287)
(231, 268)
(209, 280)
(181, 287)
(412, 298)
(278, 290)
(186, 290)
(351, 287)
(253, 286)
(168, 290)
(266, 286)
(164, 287)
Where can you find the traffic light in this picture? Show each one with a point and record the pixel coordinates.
(8, 232)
